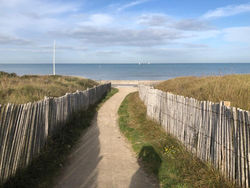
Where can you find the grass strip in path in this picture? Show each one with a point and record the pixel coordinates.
(162, 155)
(46, 167)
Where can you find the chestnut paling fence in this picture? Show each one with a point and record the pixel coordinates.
(24, 128)
(213, 132)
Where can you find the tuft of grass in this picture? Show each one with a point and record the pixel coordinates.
(162, 155)
(233, 88)
(30, 88)
(44, 169)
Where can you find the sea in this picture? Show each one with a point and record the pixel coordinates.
(130, 71)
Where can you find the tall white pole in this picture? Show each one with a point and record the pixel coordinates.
(54, 59)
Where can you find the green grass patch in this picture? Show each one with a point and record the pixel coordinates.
(161, 154)
(233, 88)
(30, 88)
(44, 169)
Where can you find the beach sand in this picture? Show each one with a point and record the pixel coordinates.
(130, 82)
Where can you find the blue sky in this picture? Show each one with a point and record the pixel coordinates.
(125, 31)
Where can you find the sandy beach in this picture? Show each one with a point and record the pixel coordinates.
(130, 82)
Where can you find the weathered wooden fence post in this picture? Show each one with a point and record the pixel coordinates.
(24, 128)
(214, 132)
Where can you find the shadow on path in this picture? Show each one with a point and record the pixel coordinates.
(81, 170)
(150, 162)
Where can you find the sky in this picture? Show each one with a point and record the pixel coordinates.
(125, 31)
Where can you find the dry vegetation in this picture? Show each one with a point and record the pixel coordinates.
(233, 88)
(23, 89)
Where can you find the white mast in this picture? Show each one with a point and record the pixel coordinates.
(54, 59)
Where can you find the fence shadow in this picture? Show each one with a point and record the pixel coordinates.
(81, 168)
(150, 163)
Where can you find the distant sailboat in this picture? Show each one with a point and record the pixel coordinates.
(144, 63)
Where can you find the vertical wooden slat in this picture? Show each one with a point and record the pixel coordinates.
(11, 139)
(25, 136)
(235, 149)
(230, 119)
(227, 149)
(13, 142)
(223, 147)
(4, 155)
(242, 144)
(239, 149)
(247, 136)
(3, 127)
(247, 115)
(20, 139)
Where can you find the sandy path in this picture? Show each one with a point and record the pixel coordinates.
(103, 158)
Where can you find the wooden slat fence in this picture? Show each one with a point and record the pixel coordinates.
(214, 132)
(24, 128)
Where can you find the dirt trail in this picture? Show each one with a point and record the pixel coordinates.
(103, 158)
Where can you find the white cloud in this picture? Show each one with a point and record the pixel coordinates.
(153, 19)
(227, 11)
(8, 39)
(111, 36)
(163, 20)
(237, 34)
(10, 3)
(192, 25)
(33, 16)
(37, 7)
(132, 4)
(63, 47)
(193, 45)
(97, 20)
(101, 19)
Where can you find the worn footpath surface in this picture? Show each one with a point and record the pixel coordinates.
(103, 158)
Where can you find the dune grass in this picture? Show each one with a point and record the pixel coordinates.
(30, 88)
(233, 88)
(44, 170)
(162, 155)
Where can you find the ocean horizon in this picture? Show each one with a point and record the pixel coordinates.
(159, 71)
